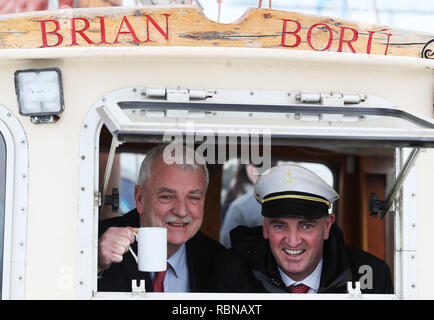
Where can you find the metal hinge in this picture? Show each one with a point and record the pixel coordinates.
(178, 94)
(98, 199)
(330, 99)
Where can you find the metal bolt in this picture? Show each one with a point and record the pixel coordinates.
(80, 283)
(82, 188)
(23, 175)
(252, 93)
(83, 157)
(23, 141)
(134, 90)
(20, 278)
(23, 209)
(85, 125)
(9, 114)
(413, 225)
(413, 286)
(82, 220)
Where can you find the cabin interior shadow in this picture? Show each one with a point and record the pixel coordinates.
(357, 172)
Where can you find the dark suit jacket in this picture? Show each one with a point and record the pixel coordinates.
(202, 252)
(249, 266)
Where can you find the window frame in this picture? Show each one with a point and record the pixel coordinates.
(405, 268)
(15, 220)
(3, 165)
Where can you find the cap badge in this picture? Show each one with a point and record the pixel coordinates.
(289, 178)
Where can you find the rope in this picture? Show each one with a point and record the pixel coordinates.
(260, 4)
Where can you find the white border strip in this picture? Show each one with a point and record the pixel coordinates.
(14, 254)
(87, 206)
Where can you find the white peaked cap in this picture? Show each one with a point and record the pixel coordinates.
(292, 190)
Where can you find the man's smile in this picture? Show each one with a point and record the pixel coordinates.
(294, 253)
(177, 224)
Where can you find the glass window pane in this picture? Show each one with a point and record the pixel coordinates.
(2, 203)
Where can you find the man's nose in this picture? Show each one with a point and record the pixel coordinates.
(180, 208)
(293, 238)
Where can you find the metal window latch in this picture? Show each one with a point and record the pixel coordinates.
(138, 289)
(376, 206)
(354, 293)
(383, 206)
(113, 199)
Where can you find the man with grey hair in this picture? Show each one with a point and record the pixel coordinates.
(170, 193)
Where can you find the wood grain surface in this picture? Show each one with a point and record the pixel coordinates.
(187, 26)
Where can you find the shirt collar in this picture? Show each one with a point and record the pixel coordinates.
(313, 280)
(177, 260)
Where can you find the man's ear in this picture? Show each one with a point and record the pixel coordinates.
(265, 228)
(138, 196)
(328, 224)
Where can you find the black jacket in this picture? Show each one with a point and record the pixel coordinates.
(249, 266)
(201, 254)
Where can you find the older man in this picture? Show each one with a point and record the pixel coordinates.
(167, 195)
(298, 249)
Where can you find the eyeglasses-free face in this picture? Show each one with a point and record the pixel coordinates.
(174, 198)
(297, 244)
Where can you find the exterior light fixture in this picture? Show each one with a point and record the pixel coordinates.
(40, 94)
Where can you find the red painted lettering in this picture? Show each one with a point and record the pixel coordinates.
(369, 45)
(341, 39)
(130, 31)
(284, 33)
(74, 31)
(387, 45)
(102, 28)
(309, 37)
(44, 33)
(371, 35)
(155, 24)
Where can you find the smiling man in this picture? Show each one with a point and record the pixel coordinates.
(298, 249)
(170, 196)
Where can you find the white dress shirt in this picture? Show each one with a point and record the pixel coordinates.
(177, 277)
(312, 281)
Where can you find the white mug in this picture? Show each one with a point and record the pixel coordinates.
(151, 249)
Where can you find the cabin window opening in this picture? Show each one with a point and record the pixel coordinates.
(352, 173)
(2, 204)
